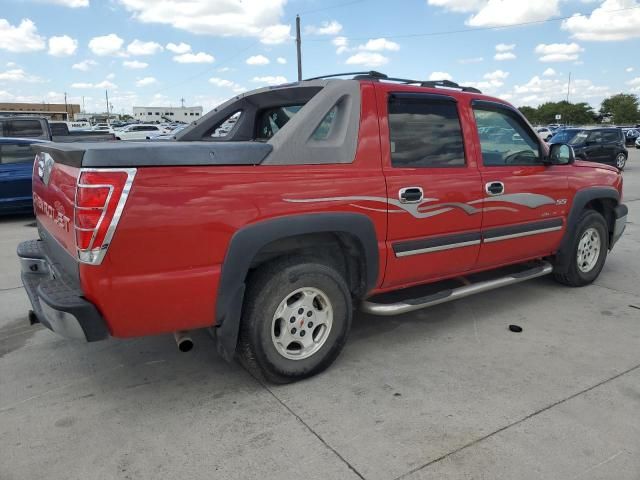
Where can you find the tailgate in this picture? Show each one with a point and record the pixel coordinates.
(55, 174)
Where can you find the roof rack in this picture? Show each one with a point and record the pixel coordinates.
(376, 76)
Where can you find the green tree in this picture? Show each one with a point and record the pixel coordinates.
(531, 114)
(571, 113)
(623, 107)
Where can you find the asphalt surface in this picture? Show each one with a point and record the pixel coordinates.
(447, 392)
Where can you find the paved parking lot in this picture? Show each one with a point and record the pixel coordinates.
(447, 392)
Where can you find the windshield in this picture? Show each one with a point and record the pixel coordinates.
(564, 136)
(579, 138)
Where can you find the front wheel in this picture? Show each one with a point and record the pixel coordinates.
(588, 250)
(296, 320)
(621, 160)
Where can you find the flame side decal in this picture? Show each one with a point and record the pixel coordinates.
(427, 208)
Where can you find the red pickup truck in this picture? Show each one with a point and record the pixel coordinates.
(275, 215)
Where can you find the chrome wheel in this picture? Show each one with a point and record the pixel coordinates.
(588, 250)
(302, 323)
(621, 160)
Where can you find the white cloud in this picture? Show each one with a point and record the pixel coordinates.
(490, 82)
(105, 84)
(199, 57)
(503, 47)
(549, 72)
(178, 48)
(111, 76)
(23, 38)
(138, 47)
(134, 64)
(463, 6)
(342, 44)
(223, 83)
(628, 69)
(257, 60)
(84, 65)
(270, 80)
(440, 76)
(106, 44)
(379, 45)
(222, 18)
(497, 13)
(325, 28)
(146, 81)
(540, 90)
(18, 75)
(603, 25)
(281, 60)
(369, 59)
(503, 56)
(70, 3)
(505, 52)
(558, 52)
(466, 61)
(62, 46)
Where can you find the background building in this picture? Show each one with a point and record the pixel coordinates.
(166, 114)
(53, 111)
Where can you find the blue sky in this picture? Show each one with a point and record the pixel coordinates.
(157, 52)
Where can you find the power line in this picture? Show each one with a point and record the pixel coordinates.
(469, 30)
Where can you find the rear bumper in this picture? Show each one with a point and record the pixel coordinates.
(620, 223)
(57, 304)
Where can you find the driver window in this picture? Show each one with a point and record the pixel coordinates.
(505, 140)
(595, 137)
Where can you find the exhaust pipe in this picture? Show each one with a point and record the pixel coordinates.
(183, 340)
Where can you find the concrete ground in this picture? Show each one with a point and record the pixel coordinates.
(447, 392)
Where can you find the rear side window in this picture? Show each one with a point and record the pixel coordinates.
(425, 133)
(16, 154)
(611, 136)
(25, 128)
(227, 125)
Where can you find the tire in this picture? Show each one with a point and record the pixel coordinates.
(283, 297)
(588, 250)
(621, 161)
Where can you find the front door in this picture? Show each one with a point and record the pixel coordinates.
(432, 179)
(525, 201)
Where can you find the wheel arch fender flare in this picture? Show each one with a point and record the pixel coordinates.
(248, 241)
(580, 201)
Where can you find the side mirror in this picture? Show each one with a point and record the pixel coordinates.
(561, 154)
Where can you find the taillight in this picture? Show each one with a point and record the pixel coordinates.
(101, 195)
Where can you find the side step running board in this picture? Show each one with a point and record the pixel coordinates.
(544, 268)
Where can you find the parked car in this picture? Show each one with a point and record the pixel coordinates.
(168, 135)
(39, 128)
(544, 133)
(325, 195)
(138, 132)
(16, 169)
(603, 145)
(631, 135)
(638, 142)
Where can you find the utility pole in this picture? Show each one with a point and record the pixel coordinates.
(66, 109)
(182, 102)
(299, 48)
(106, 96)
(83, 111)
(568, 87)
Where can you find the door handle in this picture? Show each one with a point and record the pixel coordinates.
(494, 188)
(410, 195)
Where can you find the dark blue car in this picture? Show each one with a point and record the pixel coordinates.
(16, 165)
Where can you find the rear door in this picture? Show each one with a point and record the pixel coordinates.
(525, 201)
(613, 141)
(16, 164)
(433, 230)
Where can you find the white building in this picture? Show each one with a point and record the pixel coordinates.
(166, 114)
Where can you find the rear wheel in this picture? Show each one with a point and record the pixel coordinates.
(588, 251)
(621, 160)
(296, 320)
